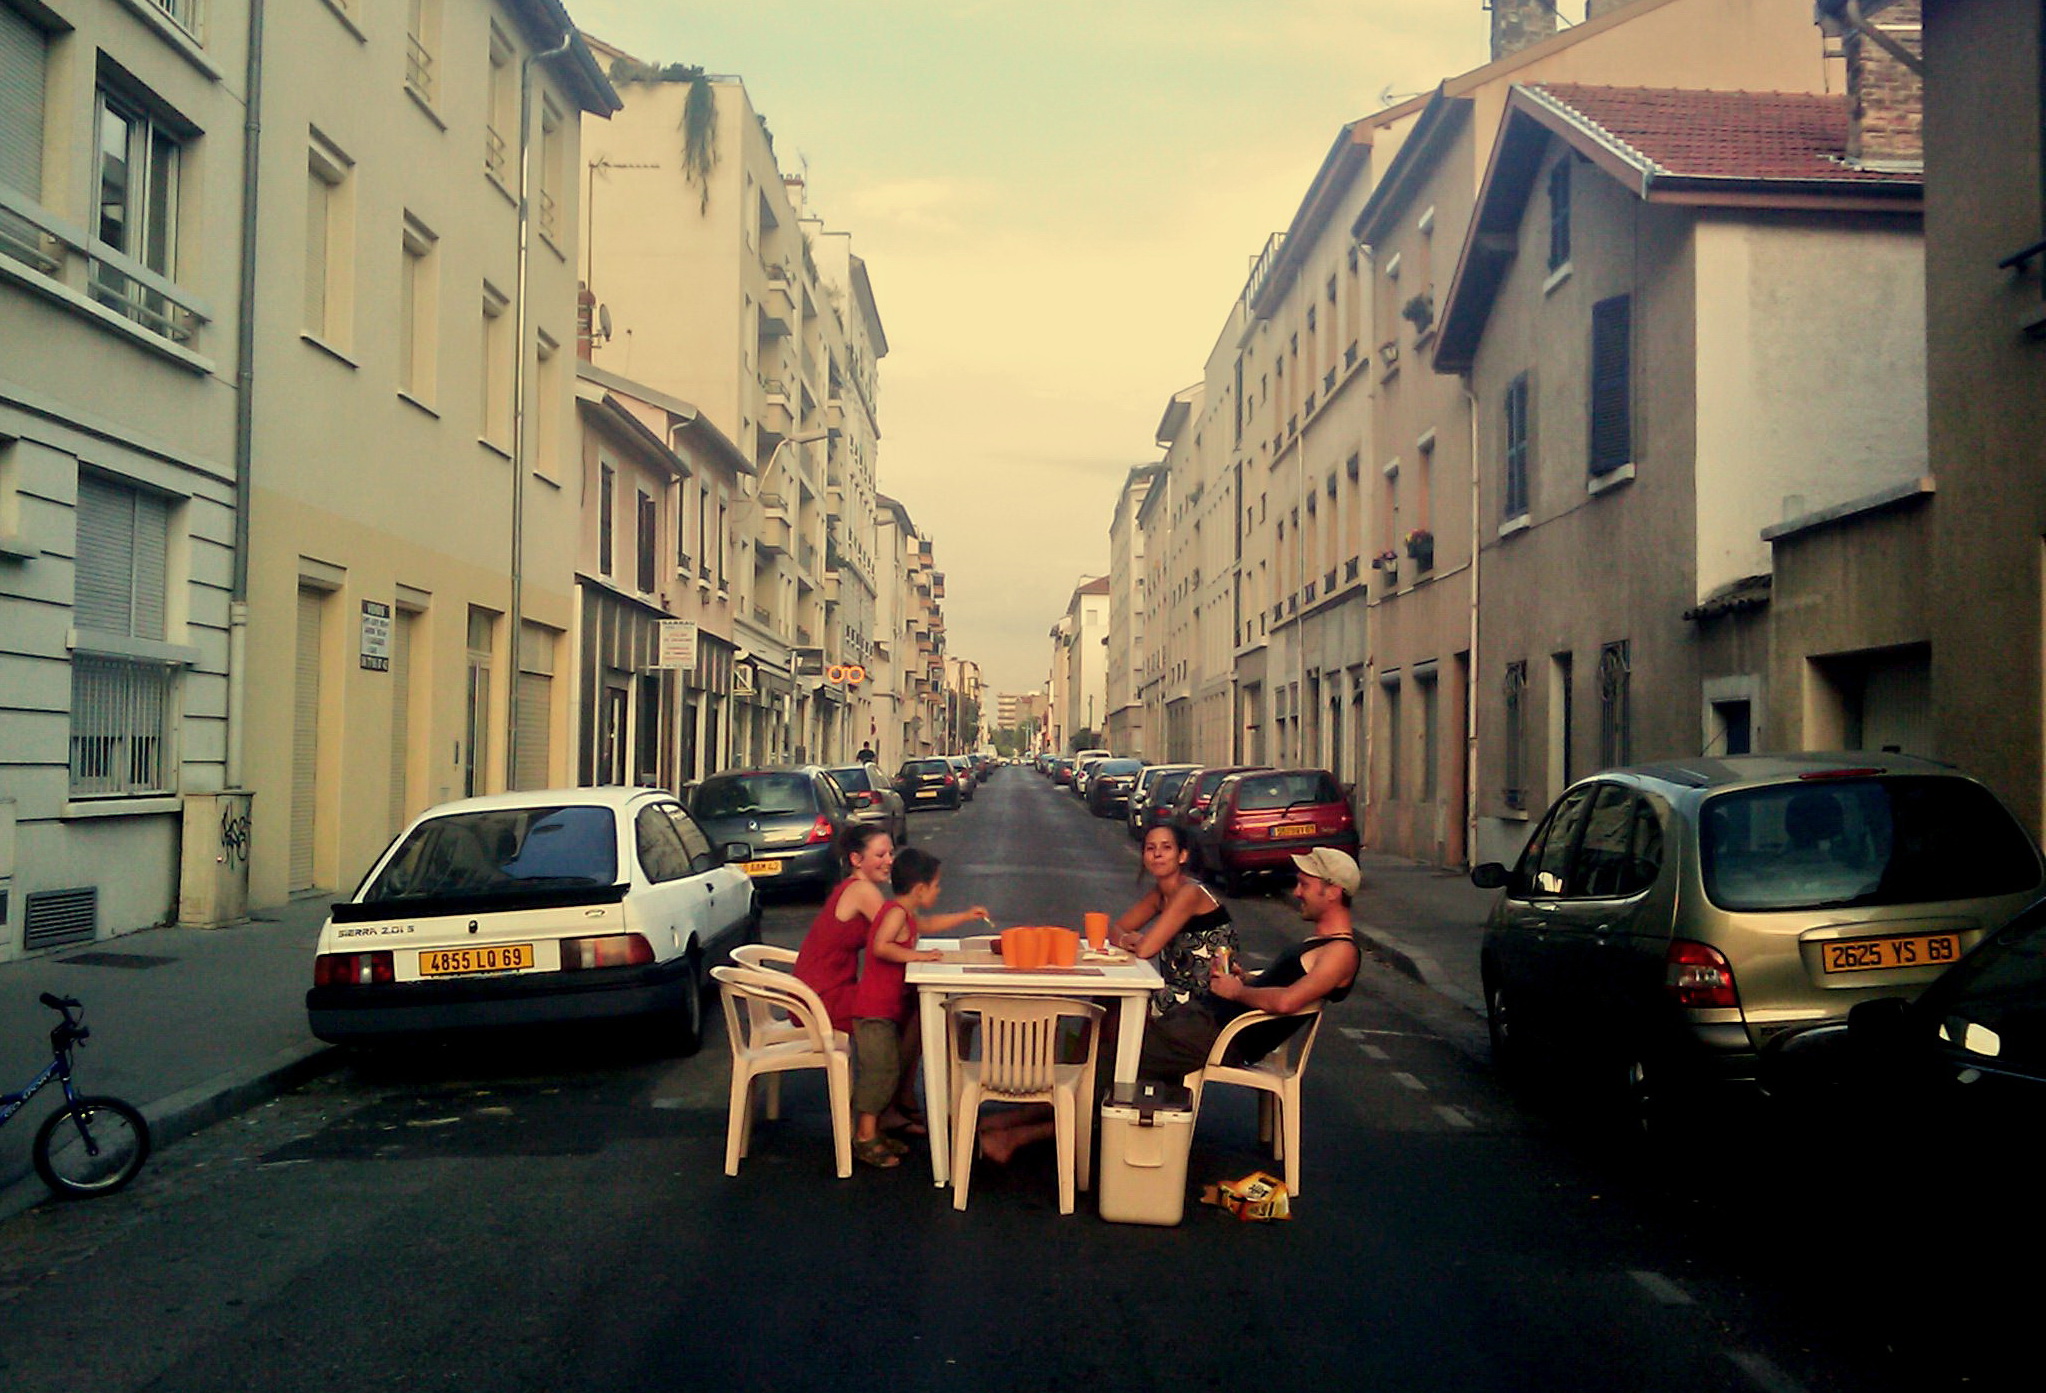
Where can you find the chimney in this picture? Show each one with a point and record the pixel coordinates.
(1518, 24)
(1886, 99)
(1594, 8)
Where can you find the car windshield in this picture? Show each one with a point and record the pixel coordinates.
(1117, 766)
(754, 795)
(852, 780)
(505, 851)
(927, 766)
(1264, 791)
(1168, 786)
(1869, 841)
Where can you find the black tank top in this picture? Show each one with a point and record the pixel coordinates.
(1289, 967)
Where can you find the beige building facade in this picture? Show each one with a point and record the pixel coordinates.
(1126, 658)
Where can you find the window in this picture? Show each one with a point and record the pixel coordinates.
(121, 707)
(661, 853)
(606, 484)
(645, 563)
(547, 394)
(1516, 449)
(503, 113)
(476, 751)
(1392, 741)
(1611, 428)
(418, 311)
(1513, 779)
(138, 163)
(533, 754)
(24, 57)
(1559, 213)
(1562, 720)
(1615, 716)
(329, 226)
(1620, 853)
(1431, 735)
(422, 44)
(497, 369)
(552, 143)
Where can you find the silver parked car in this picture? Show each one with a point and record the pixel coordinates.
(873, 799)
(1665, 923)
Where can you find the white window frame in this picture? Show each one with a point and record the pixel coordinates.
(419, 312)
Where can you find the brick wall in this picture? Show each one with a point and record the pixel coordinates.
(1888, 100)
(1518, 24)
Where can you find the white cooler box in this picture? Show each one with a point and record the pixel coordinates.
(1146, 1132)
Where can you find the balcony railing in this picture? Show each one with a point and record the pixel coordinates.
(1328, 584)
(550, 216)
(762, 617)
(71, 258)
(418, 67)
(802, 635)
(183, 13)
(1352, 568)
(493, 153)
(806, 554)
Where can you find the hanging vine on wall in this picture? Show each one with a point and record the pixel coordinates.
(699, 115)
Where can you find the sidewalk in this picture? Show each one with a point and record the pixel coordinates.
(190, 1025)
(1428, 920)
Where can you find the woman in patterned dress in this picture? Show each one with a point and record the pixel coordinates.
(1179, 923)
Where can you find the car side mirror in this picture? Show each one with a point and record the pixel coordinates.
(735, 851)
(1881, 1026)
(1489, 875)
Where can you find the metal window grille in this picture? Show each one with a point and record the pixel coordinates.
(1514, 790)
(1615, 668)
(120, 726)
(418, 67)
(1516, 448)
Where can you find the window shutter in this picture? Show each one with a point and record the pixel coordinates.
(23, 56)
(104, 572)
(152, 547)
(1612, 435)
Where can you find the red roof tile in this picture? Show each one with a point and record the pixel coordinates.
(1723, 135)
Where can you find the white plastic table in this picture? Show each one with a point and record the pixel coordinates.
(979, 973)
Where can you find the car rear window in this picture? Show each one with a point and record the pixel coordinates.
(1821, 843)
(754, 795)
(853, 780)
(505, 851)
(927, 766)
(1117, 766)
(1260, 792)
(1168, 786)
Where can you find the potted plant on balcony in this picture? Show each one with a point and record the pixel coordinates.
(1421, 546)
(1387, 563)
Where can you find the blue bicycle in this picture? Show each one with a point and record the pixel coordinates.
(91, 1145)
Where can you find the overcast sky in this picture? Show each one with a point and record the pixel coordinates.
(1058, 204)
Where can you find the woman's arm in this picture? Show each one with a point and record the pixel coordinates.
(1328, 967)
(861, 897)
(1190, 899)
(940, 923)
(1123, 933)
(888, 935)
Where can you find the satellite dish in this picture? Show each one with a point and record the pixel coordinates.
(604, 321)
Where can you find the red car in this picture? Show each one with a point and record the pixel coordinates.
(1258, 821)
(1190, 809)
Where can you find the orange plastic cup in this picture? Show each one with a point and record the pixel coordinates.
(1065, 947)
(1097, 929)
(1012, 947)
(1036, 948)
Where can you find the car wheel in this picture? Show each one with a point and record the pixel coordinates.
(1644, 1103)
(678, 1034)
(1503, 1027)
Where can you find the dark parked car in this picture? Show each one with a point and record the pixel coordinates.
(873, 799)
(1108, 787)
(962, 768)
(1062, 772)
(1258, 822)
(928, 783)
(1152, 798)
(781, 825)
(1665, 924)
(1190, 809)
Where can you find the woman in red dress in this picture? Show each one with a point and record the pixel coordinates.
(829, 960)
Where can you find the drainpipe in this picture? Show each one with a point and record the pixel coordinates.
(244, 408)
(523, 331)
(1470, 696)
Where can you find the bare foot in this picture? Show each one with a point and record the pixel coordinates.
(998, 1144)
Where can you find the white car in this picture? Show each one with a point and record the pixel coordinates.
(534, 908)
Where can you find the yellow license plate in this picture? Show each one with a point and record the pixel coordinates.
(1295, 829)
(453, 962)
(763, 868)
(1870, 954)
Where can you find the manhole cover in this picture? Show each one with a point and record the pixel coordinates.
(128, 960)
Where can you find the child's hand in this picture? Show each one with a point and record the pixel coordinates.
(929, 955)
(979, 911)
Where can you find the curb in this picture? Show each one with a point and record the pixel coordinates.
(193, 1109)
(1412, 962)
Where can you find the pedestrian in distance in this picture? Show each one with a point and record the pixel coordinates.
(866, 755)
(884, 1044)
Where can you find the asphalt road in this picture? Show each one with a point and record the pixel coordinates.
(554, 1216)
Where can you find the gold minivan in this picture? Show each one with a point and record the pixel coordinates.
(1665, 922)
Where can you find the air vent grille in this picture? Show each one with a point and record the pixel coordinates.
(57, 917)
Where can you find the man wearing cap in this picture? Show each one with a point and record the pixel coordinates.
(1321, 967)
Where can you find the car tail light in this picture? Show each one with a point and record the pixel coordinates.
(820, 831)
(1699, 975)
(861, 800)
(352, 969)
(950, 782)
(611, 950)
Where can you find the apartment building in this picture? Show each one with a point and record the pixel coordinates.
(1078, 680)
(121, 294)
(907, 676)
(412, 520)
(1125, 657)
(1646, 312)
(722, 288)
(656, 482)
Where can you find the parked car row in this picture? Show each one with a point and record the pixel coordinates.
(1239, 821)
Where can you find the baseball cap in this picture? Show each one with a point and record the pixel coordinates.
(1336, 867)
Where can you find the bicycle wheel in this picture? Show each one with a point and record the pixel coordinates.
(91, 1147)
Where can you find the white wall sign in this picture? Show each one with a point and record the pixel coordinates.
(678, 644)
(376, 636)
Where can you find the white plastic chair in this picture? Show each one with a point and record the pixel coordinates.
(763, 1047)
(764, 956)
(1276, 1077)
(1019, 1049)
(770, 1028)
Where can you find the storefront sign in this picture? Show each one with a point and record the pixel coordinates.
(678, 644)
(376, 636)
